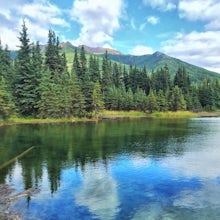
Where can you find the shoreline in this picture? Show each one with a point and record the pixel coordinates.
(112, 115)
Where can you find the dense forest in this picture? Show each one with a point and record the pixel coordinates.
(42, 85)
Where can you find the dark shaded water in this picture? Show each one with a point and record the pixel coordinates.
(120, 169)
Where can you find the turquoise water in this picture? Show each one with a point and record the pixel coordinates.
(120, 169)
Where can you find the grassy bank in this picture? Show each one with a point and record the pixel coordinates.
(113, 115)
(178, 114)
(13, 121)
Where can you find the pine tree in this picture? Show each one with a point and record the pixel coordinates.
(53, 59)
(76, 64)
(6, 104)
(106, 75)
(6, 68)
(97, 99)
(112, 99)
(25, 81)
(94, 73)
(160, 80)
(77, 97)
(83, 65)
(152, 102)
(181, 79)
(140, 100)
(47, 103)
(161, 101)
(206, 95)
(37, 68)
(117, 75)
(177, 100)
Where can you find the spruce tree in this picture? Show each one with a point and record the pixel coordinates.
(76, 64)
(152, 102)
(77, 98)
(7, 107)
(161, 101)
(177, 100)
(25, 78)
(106, 75)
(140, 100)
(97, 99)
(37, 68)
(83, 65)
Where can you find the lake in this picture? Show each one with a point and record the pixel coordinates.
(129, 169)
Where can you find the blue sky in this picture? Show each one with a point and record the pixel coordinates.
(186, 29)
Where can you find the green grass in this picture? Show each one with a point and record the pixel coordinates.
(41, 121)
(178, 114)
(111, 115)
(123, 113)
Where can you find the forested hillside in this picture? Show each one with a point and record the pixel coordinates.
(158, 60)
(42, 86)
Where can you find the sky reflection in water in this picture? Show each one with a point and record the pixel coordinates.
(136, 184)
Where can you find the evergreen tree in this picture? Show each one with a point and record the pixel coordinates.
(25, 81)
(181, 79)
(97, 98)
(77, 98)
(87, 90)
(83, 65)
(152, 102)
(37, 68)
(144, 81)
(112, 99)
(94, 73)
(160, 80)
(177, 100)
(117, 75)
(76, 64)
(106, 81)
(140, 100)
(206, 95)
(6, 104)
(47, 104)
(126, 78)
(53, 59)
(162, 101)
(6, 68)
(216, 86)
(127, 99)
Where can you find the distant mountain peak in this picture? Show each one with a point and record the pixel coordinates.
(100, 50)
(158, 54)
(66, 44)
(158, 60)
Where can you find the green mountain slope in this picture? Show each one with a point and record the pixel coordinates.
(158, 60)
(152, 62)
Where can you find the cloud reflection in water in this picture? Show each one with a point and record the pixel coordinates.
(99, 193)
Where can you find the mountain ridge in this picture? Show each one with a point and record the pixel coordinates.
(158, 60)
(93, 50)
(152, 62)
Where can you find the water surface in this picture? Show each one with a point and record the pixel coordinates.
(120, 169)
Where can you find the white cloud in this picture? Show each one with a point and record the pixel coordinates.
(198, 48)
(44, 14)
(153, 20)
(39, 16)
(99, 20)
(163, 5)
(207, 11)
(141, 50)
